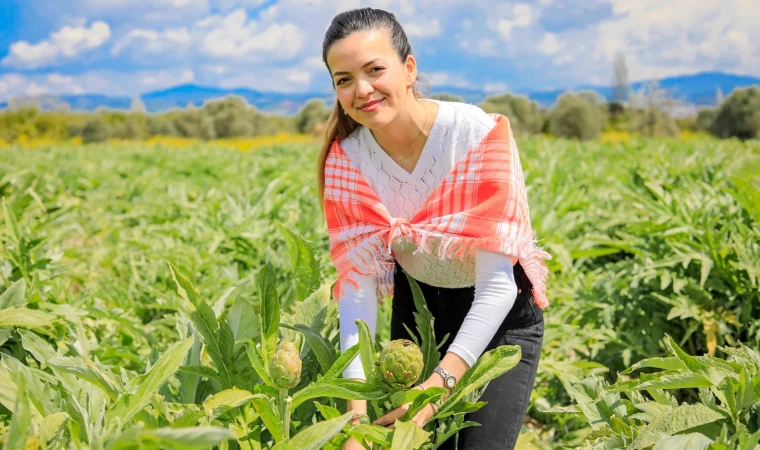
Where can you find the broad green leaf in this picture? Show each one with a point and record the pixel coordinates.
(89, 371)
(664, 380)
(218, 338)
(243, 320)
(342, 362)
(490, 365)
(373, 433)
(367, 351)
(223, 401)
(43, 352)
(306, 266)
(14, 296)
(713, 370)
(657, 363)
(21, 421)
(147, 385)
(14, 230)
(189, 438)
(328, 412)
(321, 348)
(691, 441)
(429, 395)
(408, 436)
(315, 436)
(424, 320)
(269, 414)
(678, 420)
(346, 389)
(52, 426)
(25, 318)
(201, 371)
(270, 311)
(257, 362)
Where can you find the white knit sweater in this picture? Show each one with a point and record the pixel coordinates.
(456, 129)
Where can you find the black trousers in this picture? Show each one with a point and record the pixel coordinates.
(508, 396)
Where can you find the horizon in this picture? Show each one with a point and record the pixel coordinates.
(118, 48)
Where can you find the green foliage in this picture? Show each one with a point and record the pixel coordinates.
(312, 113)
(576, 116)
(642, 248)
(726, 414)
(739, 115)
(523, 114)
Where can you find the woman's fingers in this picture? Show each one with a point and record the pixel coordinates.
(391, 417)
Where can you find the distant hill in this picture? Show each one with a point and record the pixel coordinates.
(697, 89)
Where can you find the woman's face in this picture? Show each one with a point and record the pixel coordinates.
(369, 79)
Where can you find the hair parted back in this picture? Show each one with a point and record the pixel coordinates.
(345, 23)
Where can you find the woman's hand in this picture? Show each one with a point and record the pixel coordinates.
(421, 418)
(353, 444)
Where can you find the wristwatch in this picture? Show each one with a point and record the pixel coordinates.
(448, 380)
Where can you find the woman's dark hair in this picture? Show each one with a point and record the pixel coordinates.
(345, 23)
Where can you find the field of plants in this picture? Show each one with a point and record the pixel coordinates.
(154, 297)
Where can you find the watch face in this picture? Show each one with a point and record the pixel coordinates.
(450, 382)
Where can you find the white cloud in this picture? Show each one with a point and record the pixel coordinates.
(523, 14)
(166, 42)
(427, 29)
(235, 36)
(550, 45)
(107, 82)
(504, 27)
(64, 44)
(445, 79)
(495, 88)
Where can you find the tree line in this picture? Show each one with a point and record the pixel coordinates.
(576, 115)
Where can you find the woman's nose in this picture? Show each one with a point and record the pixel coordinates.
(364, 88)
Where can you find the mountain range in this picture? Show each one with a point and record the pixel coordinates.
(701, 89)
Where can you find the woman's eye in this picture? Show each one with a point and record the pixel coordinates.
(376, 68)
(341, 81)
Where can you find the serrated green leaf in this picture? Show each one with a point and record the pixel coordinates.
(218, 339)
(223, 401)
(269, 414)
(14, 295)
(306, 266)
(25, 318)
(189, 438)
(680, 419)
(148, 384)
(21, 421)
(270, 311)
(408, 436)
(367, 351)
(424, 320)
(89, 371)
(346, 389)
(343, 361)
(490, 365)
(314, 437)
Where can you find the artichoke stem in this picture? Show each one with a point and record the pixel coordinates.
(284, 414)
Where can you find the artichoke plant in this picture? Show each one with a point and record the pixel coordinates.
(285, 366)
(401, 363)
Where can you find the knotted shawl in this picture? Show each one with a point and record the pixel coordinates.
(481, 203)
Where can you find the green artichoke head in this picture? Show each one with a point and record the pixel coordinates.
(401, 363)
(285, 366)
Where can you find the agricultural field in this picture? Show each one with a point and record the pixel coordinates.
(145, 288)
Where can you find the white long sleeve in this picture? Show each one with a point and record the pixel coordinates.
(357, 304)
(495, 294)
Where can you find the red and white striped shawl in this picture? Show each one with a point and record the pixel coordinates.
(481, 203)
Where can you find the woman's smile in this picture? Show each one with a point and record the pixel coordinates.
(371, 106)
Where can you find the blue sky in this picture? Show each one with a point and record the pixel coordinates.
(128, 47)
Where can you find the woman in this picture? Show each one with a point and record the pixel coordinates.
(434, 189)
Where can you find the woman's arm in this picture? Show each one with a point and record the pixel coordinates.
(356, 304)
(495, 294)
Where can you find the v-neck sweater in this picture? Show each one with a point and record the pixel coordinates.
(456, 129)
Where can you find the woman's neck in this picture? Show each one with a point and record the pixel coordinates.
(398, 137)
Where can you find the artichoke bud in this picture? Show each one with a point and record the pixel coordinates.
(401, 363)
(285, 366)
